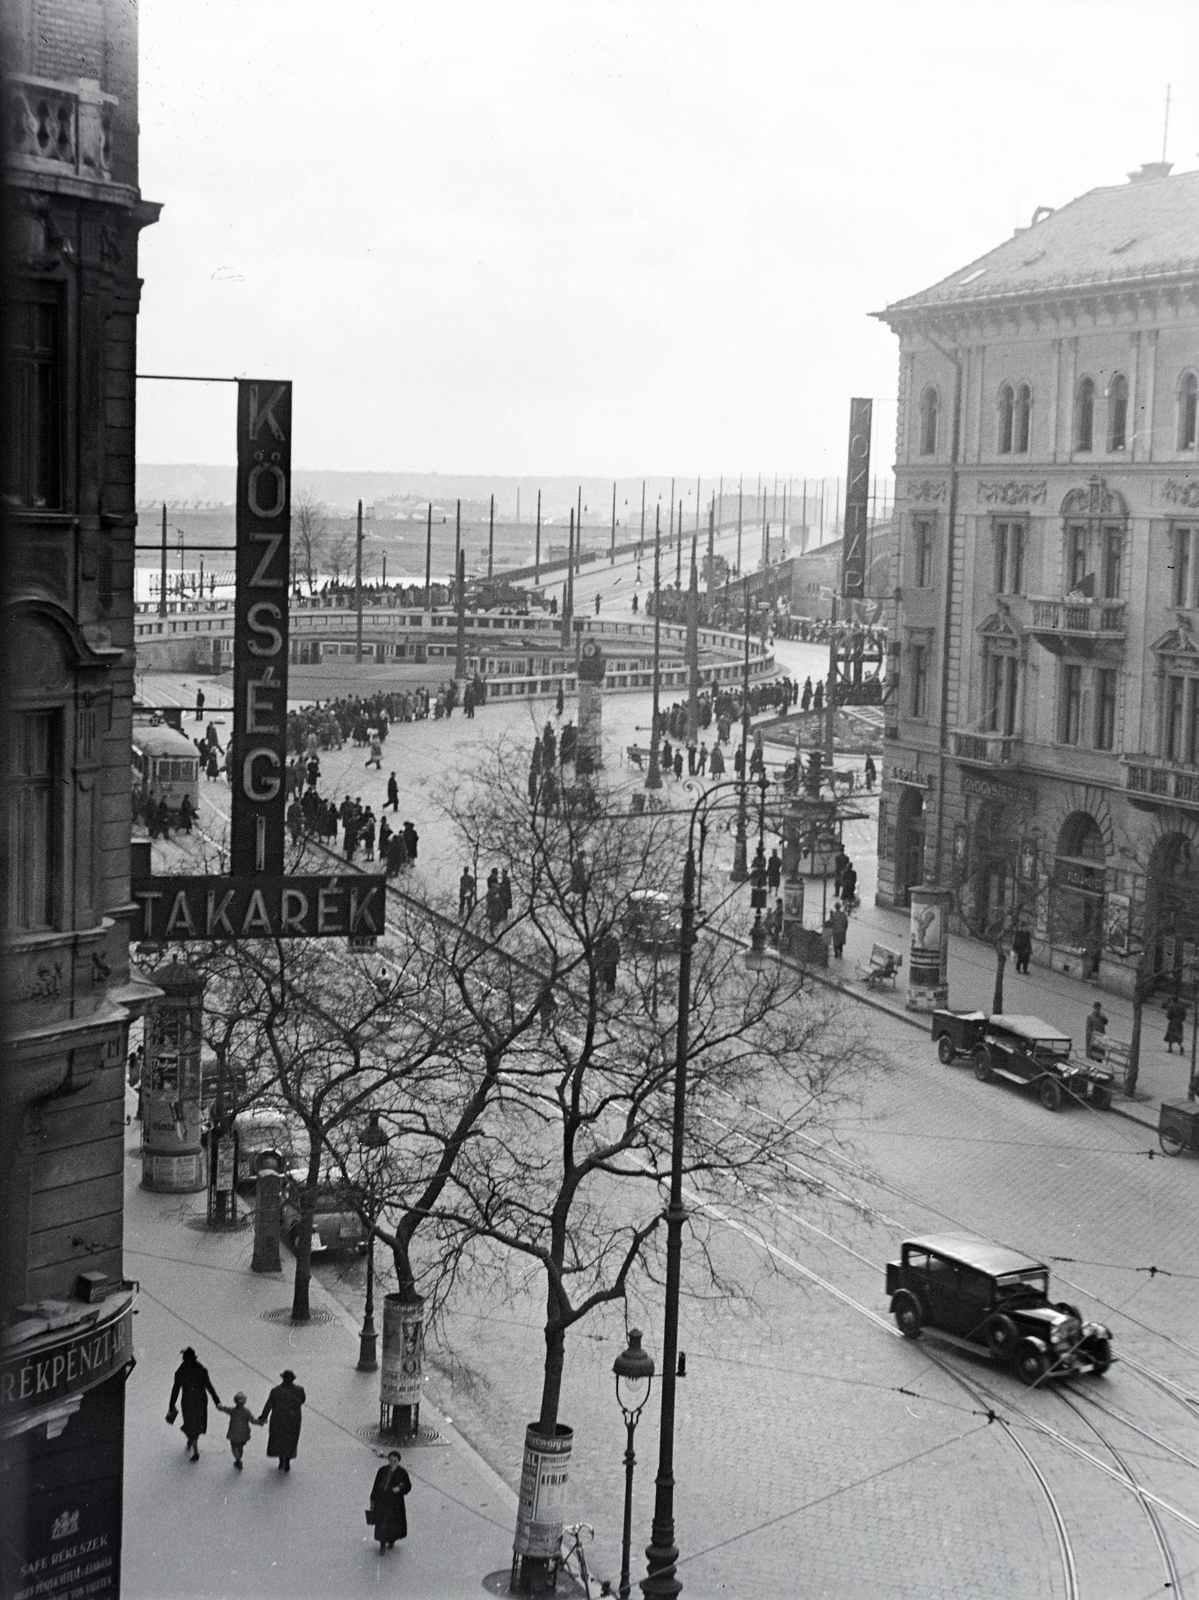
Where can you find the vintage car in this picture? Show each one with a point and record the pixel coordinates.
(994, 1301)
(258, 1131)
(336, 1224)
(652, 921)
(1024, 1050)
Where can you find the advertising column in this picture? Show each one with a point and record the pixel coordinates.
(172, 1143)
(591, 708)
(928, 963)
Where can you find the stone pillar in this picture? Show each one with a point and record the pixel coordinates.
(590, 756)
(928, 962)
(172, 1146)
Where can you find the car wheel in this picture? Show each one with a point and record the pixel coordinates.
(1170, 1140)
(1100, 1353)
(1031, 1361)
(1101, 1097)
(1002, 1337)
(982, 1063)
(908, 1313)
(1051, 1094)
(945, 1051)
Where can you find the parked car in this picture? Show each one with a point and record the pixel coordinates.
(994, 1301)
(335, 1222)
(258, 1131)
(1024, 1050)
(652, 921)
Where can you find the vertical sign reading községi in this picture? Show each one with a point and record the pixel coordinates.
(857, 501)
(258, 753)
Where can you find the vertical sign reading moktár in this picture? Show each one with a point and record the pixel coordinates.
(258, 744)
(857, 501)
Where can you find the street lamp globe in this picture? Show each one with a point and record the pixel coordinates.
(373, 1137)
(634, 1369)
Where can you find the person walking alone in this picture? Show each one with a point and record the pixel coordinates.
(194, 1385)
(1022, 948)
(1096, 1026)
(393, 795)
(240, 1423)
(838, 926)
(1176, 1015)
(284, 1406)
(387, 1510)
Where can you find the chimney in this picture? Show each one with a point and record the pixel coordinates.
(1150, 170)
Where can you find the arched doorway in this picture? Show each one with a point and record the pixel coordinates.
(1078, 873)
(1172, 911)
(909, 843)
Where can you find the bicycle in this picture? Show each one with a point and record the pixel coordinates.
(574, 1553)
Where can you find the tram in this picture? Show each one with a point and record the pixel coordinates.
(166, 766)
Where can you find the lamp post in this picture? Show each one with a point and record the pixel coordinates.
(758, 892)
(653, 778)
(662, 1553)
(634, 1369)
(373, 1138)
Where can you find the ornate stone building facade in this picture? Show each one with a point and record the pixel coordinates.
(1043, 725)
(73, 215)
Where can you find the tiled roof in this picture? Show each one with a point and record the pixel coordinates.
(1134, 231)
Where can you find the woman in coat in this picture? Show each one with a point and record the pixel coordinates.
(1176, 1015)
(390, 1518)
(194, 1384)
(284, 1408)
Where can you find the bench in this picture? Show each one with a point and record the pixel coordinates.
(637, 754)
(1112, 1053)
(883, 967)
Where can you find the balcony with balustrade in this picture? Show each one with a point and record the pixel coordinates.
(60, 135)
(976, 747)
(1083, 626)
(1156, 783)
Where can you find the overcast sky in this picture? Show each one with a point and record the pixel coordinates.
(521, 238)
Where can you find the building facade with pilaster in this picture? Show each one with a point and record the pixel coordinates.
(1042, 733)
(73, 213)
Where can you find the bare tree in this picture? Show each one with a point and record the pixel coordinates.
(568, 1169)
(339, 553)
(310, 532)
(1002, 889)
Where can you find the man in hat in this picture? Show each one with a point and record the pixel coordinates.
(284, 1408)
(240, 1423)
(194, 1384)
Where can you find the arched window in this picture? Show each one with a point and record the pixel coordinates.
(1084, 415)
(1188, 411)
(1117, 413)
(929, 407)
(1007, 417)
(1023, 426)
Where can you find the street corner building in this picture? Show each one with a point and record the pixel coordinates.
(1042, 714)
(72, 218)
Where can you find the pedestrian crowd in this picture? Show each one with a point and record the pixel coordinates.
(357, 719)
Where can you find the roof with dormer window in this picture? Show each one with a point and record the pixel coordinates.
(1146, 230)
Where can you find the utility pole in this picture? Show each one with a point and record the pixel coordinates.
(711, 544)
(568, 586)
(740, 870)
(641, 543)
(460, 642)
(612, 548)
(653, 778)
(162, 589)
(740, 488)
(578, 566)
(429, 561)
(537, 546)
(693, 647)
(491, 538)
(358, 586)
(697, 492)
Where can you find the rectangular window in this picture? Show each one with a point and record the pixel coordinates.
(1105, 709)
(1076, 556)
(1071, 708)
(919, 658)
(31, 461)
(923, 552)
(29, 864)
(1175, 726)
(1113, 560)
(1009, 557)
(1182, 566)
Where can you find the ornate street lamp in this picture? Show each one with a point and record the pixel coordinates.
(653, 778)
(372, 1138)
(740, 869)
(634, 1369)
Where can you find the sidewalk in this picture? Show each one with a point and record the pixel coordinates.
(206, 1529)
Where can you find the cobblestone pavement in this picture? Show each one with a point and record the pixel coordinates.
(817, 1453)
